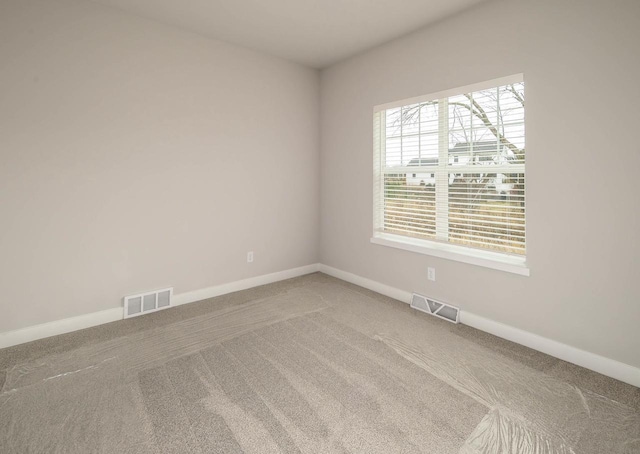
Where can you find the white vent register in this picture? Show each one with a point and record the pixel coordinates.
(145, 303)
(436, 308)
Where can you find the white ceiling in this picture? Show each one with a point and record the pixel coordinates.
(316, 33)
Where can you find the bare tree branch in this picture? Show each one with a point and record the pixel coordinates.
(516, 94)
(482, 115)
(409, 115)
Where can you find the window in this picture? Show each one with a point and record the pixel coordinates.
(450, 174)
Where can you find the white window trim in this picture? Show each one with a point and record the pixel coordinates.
(515, 78)
(487, 259)
(464, 254)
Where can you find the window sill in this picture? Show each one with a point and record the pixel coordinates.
(462, 254)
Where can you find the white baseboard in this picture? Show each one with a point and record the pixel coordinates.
(383, 289)
(223, 289)
(592, 361)
(605, 366)
(67, 325)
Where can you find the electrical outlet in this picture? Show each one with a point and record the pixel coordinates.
(431, 274)
(249, 256)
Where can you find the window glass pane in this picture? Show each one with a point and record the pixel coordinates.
(393, 151)
(411, 119)
(487, 210)
(429, 118)
(393, 123)
(411, 149)
(409, 204)
(429, 146)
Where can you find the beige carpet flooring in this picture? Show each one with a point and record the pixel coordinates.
(311, 365)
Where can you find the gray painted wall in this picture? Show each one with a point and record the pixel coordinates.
(135, 156)
(581, 67)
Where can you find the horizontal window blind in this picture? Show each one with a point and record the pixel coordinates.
(452, 169)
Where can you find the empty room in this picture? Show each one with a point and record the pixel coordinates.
(303, 226)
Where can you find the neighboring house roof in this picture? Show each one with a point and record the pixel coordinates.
(423, 162)
(484, 151)
(487, 151)
(464, 148)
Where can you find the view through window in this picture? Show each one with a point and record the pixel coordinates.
(452, 169)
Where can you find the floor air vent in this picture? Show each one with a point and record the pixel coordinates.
(437, 308)
(145, 303)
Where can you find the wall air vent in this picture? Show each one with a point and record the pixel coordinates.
(437, 308)
(145, 303)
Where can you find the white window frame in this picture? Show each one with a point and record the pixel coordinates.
(473, 256)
